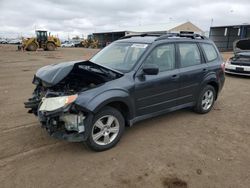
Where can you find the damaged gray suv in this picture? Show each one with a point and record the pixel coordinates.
(134, 78)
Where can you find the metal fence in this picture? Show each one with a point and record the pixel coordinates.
(225, 36)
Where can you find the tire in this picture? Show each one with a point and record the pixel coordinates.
(32, 47)
(50, 46)
(104, 134)
(205, 100)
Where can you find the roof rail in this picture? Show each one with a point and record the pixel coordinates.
(142, 35)
(162, 36)
(181, 34)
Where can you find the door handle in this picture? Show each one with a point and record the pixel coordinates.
(205, 70)
(175, 76)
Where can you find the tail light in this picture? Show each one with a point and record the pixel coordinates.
(223, 66)
(228, 61)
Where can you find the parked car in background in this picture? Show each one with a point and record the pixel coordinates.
(15, 41)
(239, 64)
(67, 45)
(3, 41)
(78, 43)
(132, 79)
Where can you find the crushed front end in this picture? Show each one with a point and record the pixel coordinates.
(56, 92)
(61, 117)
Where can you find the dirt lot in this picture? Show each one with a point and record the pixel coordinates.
(182, 148)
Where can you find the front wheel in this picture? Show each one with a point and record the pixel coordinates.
(106, 129)
(206, 100)
(32, 47)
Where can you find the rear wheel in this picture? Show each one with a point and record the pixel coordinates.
(206, 100)
(106, 129)
(50, 46)
(32, 47)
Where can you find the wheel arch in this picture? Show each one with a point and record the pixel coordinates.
(50, 41)
(116, 98)
(211, 79)
(121, 107)
(118, 103)
(215, 86)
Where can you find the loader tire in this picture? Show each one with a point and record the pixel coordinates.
(50, 46)
(32, 47)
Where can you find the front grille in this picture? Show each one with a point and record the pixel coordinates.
(240, 63)
(238, 71)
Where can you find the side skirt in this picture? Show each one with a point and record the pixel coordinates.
(147, 116)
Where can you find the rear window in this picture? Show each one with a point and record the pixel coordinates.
(210, 52)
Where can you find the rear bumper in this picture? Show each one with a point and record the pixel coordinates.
(237, 69)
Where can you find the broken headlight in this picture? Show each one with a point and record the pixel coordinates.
(54, 103)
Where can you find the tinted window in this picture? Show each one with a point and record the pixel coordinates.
(210, 52)
(163, 56)
(189, 54)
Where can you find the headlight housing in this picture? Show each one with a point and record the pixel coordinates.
(54, 103)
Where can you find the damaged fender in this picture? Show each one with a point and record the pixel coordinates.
(95, 103)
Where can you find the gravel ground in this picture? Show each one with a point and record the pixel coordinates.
(177, 150)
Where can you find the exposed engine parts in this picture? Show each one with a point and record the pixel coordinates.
(57, 87)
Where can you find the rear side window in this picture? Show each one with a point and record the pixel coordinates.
(189, 54)
(210, 52)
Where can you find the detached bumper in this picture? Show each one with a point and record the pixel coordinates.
(67, 126)
(70, 137)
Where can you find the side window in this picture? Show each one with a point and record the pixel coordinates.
(210, 52)
(189, 54)
(163, 56)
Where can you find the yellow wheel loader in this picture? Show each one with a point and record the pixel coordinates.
(42, 40)
(90, 42)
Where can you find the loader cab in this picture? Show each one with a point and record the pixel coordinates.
(90, 37)
(42, 37)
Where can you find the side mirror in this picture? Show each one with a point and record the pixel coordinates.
(150, 69)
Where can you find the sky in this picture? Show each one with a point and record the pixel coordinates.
(81, 17)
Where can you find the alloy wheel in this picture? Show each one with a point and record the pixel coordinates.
(207, 99)
(105, 130)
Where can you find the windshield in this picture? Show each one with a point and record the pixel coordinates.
(119, 56)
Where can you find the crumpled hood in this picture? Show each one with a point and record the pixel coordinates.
(53, 74)
(242, 45)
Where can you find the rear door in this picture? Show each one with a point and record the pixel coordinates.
(156, 93)
(192, 69)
